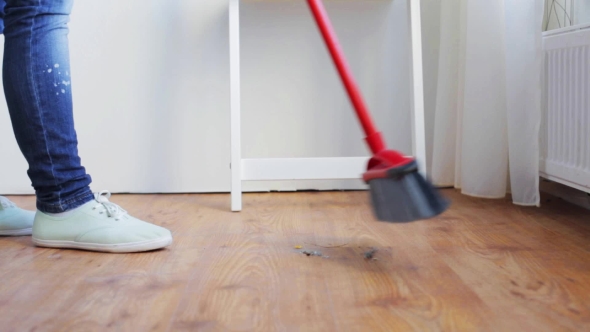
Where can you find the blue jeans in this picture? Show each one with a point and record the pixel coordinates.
(37, 84)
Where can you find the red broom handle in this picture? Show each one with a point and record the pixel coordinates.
(373, 138)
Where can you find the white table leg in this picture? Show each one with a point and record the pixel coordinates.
(417, 90)
(236, 152)
(418, 119)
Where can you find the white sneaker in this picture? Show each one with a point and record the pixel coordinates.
(99, 225)
(14, 221)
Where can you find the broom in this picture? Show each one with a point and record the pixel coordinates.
(399, 193)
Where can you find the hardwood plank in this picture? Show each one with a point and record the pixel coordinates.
(483, 265)
(247, 279)
(391, 293)
(516, 267)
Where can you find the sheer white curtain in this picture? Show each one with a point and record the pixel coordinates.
(488, 107)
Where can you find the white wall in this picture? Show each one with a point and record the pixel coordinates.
(150, 84)
(430, 53)
(151, 90)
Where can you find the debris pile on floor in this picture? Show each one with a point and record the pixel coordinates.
(371, 254)
(312, 253)
(308, 253)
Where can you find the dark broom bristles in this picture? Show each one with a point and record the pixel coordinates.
(405, 196)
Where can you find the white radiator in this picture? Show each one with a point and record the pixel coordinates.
(565, 130)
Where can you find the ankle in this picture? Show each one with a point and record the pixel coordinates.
(65, 213)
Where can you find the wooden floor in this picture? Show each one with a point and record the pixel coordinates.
(485, 265)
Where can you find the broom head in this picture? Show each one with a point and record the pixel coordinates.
(399, 193)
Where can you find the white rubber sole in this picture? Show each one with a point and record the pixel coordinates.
(112, 248)
(17, 232)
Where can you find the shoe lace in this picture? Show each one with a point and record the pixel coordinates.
(6, 203)
(113, 210)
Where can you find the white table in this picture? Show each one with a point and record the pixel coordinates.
(314, 168)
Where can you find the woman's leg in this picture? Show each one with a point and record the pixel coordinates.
(13, 220)
(37, 85)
